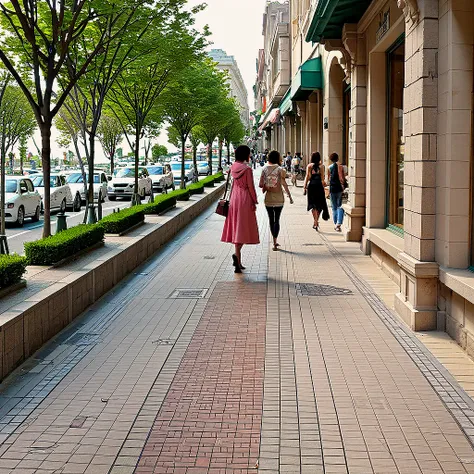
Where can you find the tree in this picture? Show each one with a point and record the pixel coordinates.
(136, 92)
(158, 151)
(186, 99)
(39, 46)
(233, 132)
(195, 141)
(16, 123)
(110, 136)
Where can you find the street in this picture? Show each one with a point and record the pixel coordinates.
(31, 231)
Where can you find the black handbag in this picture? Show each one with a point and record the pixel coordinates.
(223, 204)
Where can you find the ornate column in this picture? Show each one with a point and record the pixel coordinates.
(417, 300)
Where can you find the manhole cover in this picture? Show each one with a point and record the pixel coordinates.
(78, 422)
(310, 289)
(189, 293)
(164, 342)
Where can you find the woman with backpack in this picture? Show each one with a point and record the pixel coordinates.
(337, 183)
(272, 182)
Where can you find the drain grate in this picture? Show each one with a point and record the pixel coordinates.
(209, 257)
(189, 293)
(311, 245)
(164, 342)
(310, 289)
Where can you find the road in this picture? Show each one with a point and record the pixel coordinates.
(31, 231)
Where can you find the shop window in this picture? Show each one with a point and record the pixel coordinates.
(396, 143)
(472, 175)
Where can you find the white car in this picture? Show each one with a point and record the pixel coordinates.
(21, 200)
(203, 168)
(189, 173)
(76, 183)
(162, 178)
(123, 183)
(60, 194)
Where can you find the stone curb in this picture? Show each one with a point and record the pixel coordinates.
(25, 327)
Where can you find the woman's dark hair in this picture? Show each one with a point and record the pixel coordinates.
(242, 153)
(316, 158)
(274, 157)
(334, 157)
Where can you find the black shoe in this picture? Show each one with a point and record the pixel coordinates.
(235, 263)
(237, 270)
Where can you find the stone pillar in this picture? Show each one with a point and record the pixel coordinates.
(301, 129)
(313, 124)
(287, 127)
(355, 208)
(417, 300)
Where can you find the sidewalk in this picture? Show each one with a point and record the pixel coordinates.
(296, 366)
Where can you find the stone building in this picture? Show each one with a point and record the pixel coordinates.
(237, 86)
(393, 95)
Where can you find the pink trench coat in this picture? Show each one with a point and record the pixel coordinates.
(241, 223)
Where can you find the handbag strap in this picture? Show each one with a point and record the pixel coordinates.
(227, 185)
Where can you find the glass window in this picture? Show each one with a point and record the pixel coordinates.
(11, 186)
(30, 185)
(125, 173)
(396, 142)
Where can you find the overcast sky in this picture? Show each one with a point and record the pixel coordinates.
(236, 27)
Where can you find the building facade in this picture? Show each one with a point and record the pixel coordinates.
(236, 83)
(393, 97)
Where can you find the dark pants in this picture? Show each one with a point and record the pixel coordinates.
(274, 214)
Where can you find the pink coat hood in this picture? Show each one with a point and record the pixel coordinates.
(238, 169)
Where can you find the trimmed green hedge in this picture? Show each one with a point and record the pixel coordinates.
(208, 182)
(162, 203)
(123, 220)
(12, 269)
(219, 177)
(196, 188)
(181, 194)
(53, 249)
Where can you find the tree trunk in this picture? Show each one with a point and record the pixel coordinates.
(136, 198)
(183, 148)
(92, 219)
(2, 200)
(228, 153)
(45, 129)
(220, 155)
(195, 158)
(209, 157)
(112, 156)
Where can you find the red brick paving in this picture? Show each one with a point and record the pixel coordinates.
(211, 417)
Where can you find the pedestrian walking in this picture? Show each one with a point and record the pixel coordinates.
(336, 181)
(288, 159)
(272, 182)
(241, 226)
(295, 168)
(314, 185)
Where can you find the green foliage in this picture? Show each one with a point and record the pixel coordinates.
(196, 188)
(162, 203)
(158, 151)
(55, 248)
(219, 177)
(12, 268)
(209, 181)
(181, 194)
(123, 220)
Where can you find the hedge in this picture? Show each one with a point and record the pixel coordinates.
(219, 177)
(196, 188)
(181, 194)
(208, 182)
(12, 268)
(162, 203)
(123, 220)
(53, 249)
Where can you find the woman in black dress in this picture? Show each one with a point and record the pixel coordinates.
(314, 188)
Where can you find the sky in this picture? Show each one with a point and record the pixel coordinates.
(236, 27)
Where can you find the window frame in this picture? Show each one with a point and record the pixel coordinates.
(397, 229)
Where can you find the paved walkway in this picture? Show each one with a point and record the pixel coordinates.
(296, 366)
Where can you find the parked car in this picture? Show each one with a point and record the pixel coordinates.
(21, 200)
(189, 172)
(76, 183)
(203, 168)
(162, 178)
(30, 172)
(123, 182)
(60, 196)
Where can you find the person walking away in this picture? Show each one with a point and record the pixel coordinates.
(288, 159)
(314, 185)
(336, 187)
(241, 226)
(272, 182)
(295, 168)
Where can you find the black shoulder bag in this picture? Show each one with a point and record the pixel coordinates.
(223, 204)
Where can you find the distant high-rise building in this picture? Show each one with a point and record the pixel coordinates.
(236, 82)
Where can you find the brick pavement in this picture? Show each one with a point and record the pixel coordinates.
(145, 374)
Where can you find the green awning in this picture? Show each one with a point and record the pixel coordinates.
(331, 15)
(308, 78)
(286, 103)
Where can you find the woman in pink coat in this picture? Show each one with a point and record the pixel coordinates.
(241, 223)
